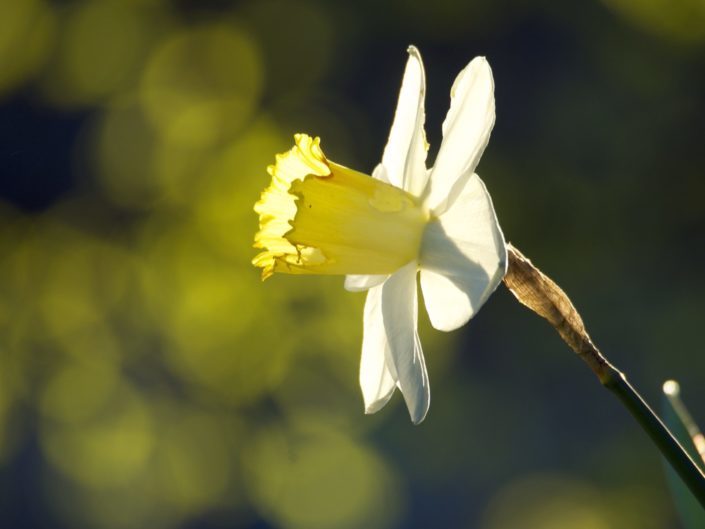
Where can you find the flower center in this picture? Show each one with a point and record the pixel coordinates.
(320, 217)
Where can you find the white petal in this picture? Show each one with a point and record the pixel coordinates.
(466, 131)
(380, 173)
(376, 379)
(400, 310)
(463, 258)
(405, 154)
(360, 283)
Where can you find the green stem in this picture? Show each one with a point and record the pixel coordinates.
(672, 450)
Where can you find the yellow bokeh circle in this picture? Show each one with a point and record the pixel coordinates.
(108, 450)
(314, 477)
(201, 84)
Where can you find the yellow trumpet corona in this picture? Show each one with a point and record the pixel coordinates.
(322, 218)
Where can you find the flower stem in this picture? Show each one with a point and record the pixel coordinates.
(662, 437)
(538, 292)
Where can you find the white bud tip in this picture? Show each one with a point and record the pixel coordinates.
(671, 388)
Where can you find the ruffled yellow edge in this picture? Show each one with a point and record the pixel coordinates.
(277, 206)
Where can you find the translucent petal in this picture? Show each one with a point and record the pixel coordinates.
(463, 258)
(466, 131)
(405, 154)
(376, 379)
(359, 283)
(400, 310)
(380, 173)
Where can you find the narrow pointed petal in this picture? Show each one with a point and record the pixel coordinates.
(466, 131)
(380, 173)
(405, 154)
(376, 380)
(360, 283)
(463, 258)
(400, 310)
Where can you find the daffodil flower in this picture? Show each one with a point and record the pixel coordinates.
(318, 217)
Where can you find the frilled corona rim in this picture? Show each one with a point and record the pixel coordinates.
(277, 206)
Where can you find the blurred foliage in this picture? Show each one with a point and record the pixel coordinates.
(148, 378)
(681, 21)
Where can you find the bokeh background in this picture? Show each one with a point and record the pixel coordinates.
(148, 379)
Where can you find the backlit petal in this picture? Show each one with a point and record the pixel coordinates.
(463, 258)
(360, 283)
(466, 131)
(400, 310)
(376, 380)
(380, 173)
(405, 154)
